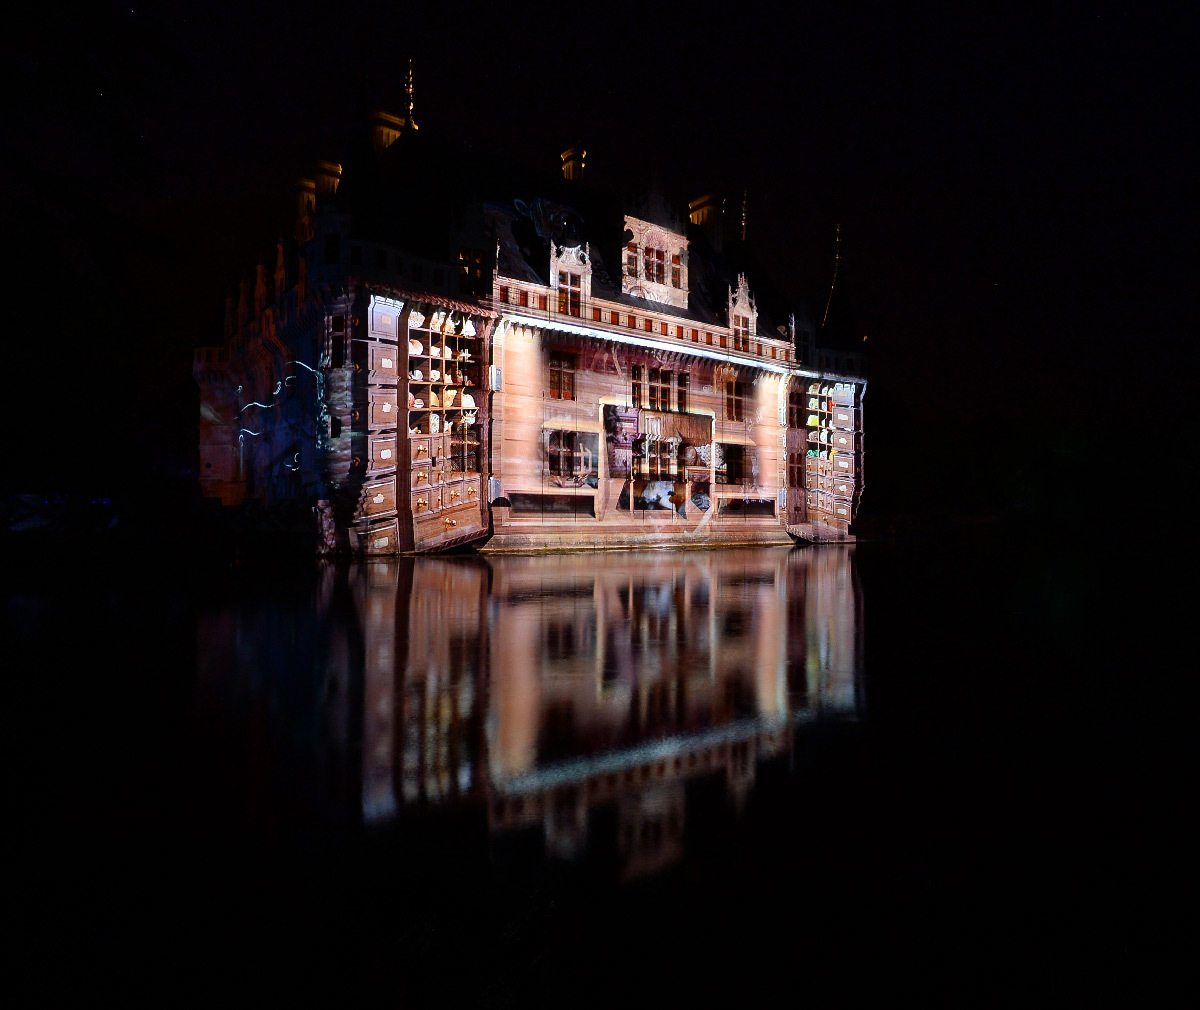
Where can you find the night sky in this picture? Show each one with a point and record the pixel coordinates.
(1012, 190)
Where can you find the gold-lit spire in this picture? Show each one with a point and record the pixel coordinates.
(408, 90)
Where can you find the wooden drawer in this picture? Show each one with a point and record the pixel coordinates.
(426, 501)
(378, 498)
(843, 487)
(843, 417)
(839, 508)
(472, 489)
(842, 393)
(384, 321)
(423, 477)
(379, 538)
(842, 441)
(843, 464)
(383, 362)
(421, 451)
(454, 493)
(383, 408)
(382, 450)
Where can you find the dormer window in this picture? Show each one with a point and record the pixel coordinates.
(569, 293)
(655, 264)
(741, 333)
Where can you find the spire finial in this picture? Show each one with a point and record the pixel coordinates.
(408, 90)
(837, 256)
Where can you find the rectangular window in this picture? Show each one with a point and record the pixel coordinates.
(662, 328)
(632, 323)
(595, 314)
(659, 386)
(635, 374)
(569, 287)
(631, 259)
(679, 332)
(563, 452)
(660, 458)
(695, 336)
(523, 298)
(722, 339)
(562, 376)
(615, 318)
(708, 338)
(503, 293)
(772, 352)
(681, 397)
(648, 325)
(735, 398)
(654, 262)
(741, 333)
(758, 349)
(542, 303)
(676, 272)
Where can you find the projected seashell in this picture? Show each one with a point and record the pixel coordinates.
(469, 417)
(434, 374)
(416, 318)
(436, 322)
(435, 423)
(468, 329)
(415, 347)
(417, 375)
(449, 396)
(433, 400)
(468, 401)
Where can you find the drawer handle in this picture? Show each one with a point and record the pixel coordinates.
(421, 449)
(472, 491)
(421, 503)
(453, 494)
(450, 522)
(420, 476)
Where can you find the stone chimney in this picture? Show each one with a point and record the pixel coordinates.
(572, 163)
(707, 212)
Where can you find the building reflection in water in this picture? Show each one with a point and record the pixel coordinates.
(546, 689)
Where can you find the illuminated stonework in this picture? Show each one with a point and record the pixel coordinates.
(556, 376)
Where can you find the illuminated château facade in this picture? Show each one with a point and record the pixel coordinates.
(450, 352)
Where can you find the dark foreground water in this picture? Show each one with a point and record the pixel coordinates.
(927, 769)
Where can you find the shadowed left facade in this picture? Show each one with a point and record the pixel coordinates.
(302, 401)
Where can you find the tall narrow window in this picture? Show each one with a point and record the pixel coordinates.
(568, 293)
(681, 396)
(654, 263)
(562, 376)
(676, 278)
(631, 259)
(523, 298)
(659, 387)
(741, 333)
(635, 373)
(735, 398)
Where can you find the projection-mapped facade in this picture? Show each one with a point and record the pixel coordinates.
(452, 352)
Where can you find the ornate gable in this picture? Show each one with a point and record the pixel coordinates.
(655, 263)
(741, 304)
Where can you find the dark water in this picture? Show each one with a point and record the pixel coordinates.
(922, 769)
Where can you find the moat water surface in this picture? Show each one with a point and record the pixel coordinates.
(582, 778)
